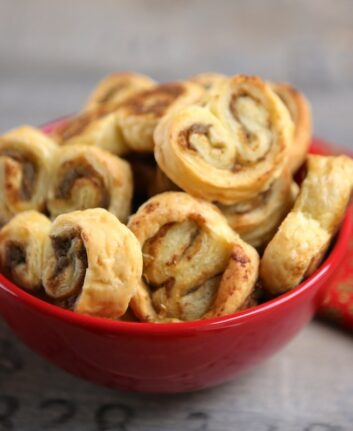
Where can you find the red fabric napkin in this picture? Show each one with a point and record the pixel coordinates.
(338, 301)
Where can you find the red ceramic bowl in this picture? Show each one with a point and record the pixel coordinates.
(170, 357)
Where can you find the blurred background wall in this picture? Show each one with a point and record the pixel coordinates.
(52, 53)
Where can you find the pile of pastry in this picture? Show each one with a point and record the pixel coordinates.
(170, 202)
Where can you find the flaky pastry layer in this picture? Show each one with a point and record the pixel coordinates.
(22, 243)
(88, 177)
(302, 239)
(230, 150)
(26, 158)
(195, 265)
(92, 261)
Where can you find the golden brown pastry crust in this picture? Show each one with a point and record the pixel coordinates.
(26, 157)
(231, 150)
(94, 260)
(22, 243)
(117, 87)
(257, 220)
(298, 247)
(139, 115)
(195, 265)
(299, 109)
(97, 127)
(208, 80)
(88, 177)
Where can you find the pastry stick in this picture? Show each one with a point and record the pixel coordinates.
(303, 238)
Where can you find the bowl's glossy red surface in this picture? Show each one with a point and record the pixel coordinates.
(174, 357)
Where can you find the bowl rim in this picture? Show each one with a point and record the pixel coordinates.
(110, 326)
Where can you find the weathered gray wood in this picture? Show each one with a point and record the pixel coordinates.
(51, 55)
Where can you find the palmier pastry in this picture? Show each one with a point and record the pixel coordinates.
(22, 243)
(93, 262)
(258, 219)
(117, 87)
(299, 109)
(89, 177)
(230, 151)
(208, 80)
(302, 239)
(195, 265)
(139, 115)
(97, 127)
(26, 156)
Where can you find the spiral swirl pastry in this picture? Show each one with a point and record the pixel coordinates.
(139, 115)
(26, 157)
(299, 110)
(97, 127)
(209, 81)
(302, 239)
(89, 177)
(257, 220)
(22, 243)
(93, 262)
(194, 265)
(231, 150)
(117, 87)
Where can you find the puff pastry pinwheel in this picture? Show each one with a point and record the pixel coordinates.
(299, 109)
(139, 115)
(257, 220)
(26, 157)
(117, 87)
(231, 150)
(97, 127)
(22, 243)
(208, 80)
(93, 262)
(302, 239)
(195, 265)
(88, 177)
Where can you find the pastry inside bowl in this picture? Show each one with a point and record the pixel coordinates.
(160, 240)
(169, 357)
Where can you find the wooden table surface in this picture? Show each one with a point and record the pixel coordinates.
(51, 55)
